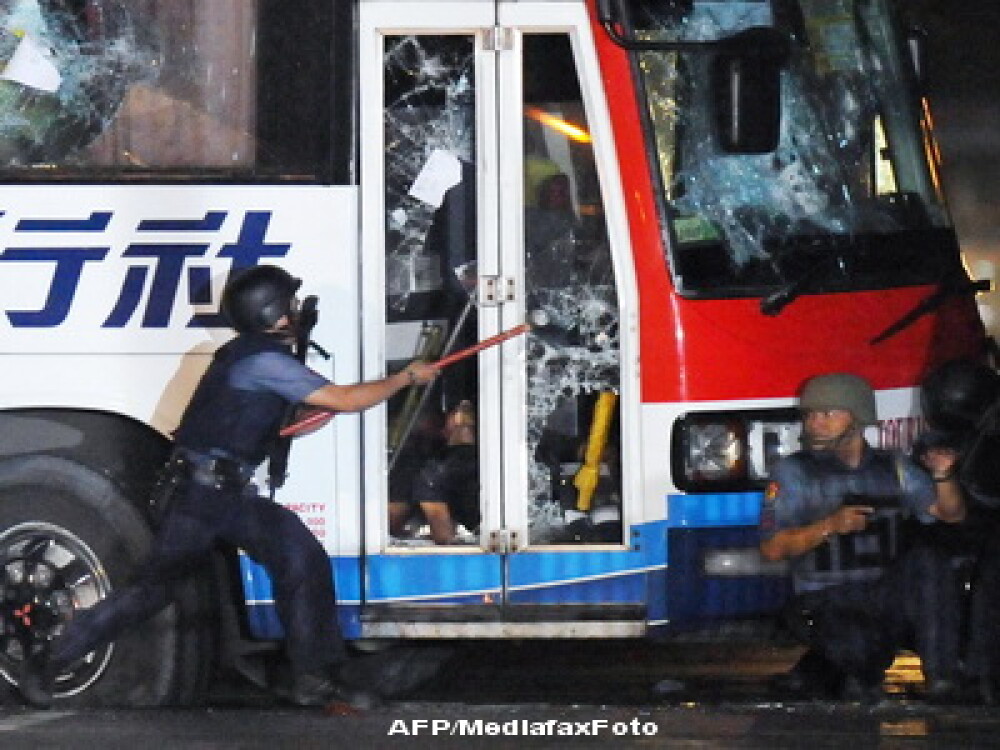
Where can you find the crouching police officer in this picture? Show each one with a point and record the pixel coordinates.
(961, 402)
(834, 510)
(232, 420)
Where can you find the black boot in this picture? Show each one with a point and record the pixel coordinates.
(317, 690)
(35, 682)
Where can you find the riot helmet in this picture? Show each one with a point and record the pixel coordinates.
(257, 298)
(956, 395)
(840, 390)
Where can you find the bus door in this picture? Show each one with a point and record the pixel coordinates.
(483, 193)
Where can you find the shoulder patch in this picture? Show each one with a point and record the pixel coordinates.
(771, 493)
(768, 522)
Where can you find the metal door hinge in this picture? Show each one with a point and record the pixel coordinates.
(504, 541)
(498, 39)
(495, 290)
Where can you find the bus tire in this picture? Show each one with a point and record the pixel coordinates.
(67, 539)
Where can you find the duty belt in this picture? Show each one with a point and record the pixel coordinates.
(209, 471)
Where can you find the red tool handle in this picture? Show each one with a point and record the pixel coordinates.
(312, 421)
(484, 344)
(316, 419)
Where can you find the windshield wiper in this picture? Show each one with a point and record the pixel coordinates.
(946, 289)
(777, 301)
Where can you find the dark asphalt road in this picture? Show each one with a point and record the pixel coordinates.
(544, 695)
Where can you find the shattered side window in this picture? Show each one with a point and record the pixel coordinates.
(573, 421)
(431, 207)
(107, 88)
(850, 176)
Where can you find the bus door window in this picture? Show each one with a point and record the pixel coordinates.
(574, 477)
(430, 266)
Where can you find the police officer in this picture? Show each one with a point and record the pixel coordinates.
(961, 402)
(835, 510)
(233, 418)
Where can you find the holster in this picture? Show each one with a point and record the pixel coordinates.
(218, 473)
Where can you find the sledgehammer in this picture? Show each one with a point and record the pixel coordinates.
(316, 418)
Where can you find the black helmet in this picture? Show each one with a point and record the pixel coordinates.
(255, 299)
(955, 396)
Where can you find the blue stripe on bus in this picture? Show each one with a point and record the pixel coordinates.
(636, 575)
(721, 509)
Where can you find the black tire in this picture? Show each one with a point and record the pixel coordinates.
(68, 538)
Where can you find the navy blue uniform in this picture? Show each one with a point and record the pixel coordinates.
(225, 432)
(452, 479)
(863, 596)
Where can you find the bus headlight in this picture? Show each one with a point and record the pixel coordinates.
(731, 450)
(714, 450)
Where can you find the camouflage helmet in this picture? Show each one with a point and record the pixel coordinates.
(840, 390)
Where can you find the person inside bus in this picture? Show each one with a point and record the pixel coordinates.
(836, 511)
(226, 431)
(549, 228)
(445, 490)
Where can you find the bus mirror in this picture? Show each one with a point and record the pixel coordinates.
(746, 90)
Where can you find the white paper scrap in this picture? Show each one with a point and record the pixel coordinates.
(32, 65)
(441, 172)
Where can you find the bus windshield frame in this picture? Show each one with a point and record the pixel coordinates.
(850, 198)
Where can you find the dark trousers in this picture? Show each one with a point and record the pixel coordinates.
(270, 534)
(856, 629)
(983, 650)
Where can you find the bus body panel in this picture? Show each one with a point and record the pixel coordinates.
(110, 293)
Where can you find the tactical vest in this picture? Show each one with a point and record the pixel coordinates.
(873, 549)
(225, 421)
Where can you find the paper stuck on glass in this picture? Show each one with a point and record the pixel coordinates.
(32, 65)
(441, 172)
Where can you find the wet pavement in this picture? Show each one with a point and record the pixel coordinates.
(543, 695)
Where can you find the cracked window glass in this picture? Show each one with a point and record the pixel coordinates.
(430, 286)
(573, 432)
(113, 88)
(851, 186)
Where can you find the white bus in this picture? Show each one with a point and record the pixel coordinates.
(697, 204)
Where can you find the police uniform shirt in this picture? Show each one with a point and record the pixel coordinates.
(810, 486)
(276, 373)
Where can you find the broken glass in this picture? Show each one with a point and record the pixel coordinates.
(65, 75)
(851, 167)
(430, 277)
(572, 360)
(114, 89)
(572, 425)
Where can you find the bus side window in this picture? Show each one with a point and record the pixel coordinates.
(176, 90)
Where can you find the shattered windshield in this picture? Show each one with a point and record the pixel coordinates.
(851, 187)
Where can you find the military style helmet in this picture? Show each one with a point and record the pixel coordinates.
(841, 390)
(257, 298)
(956, 395)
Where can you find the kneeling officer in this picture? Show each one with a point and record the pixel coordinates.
(834, 511)
(226, 431)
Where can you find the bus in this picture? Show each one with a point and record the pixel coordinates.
(695, 204)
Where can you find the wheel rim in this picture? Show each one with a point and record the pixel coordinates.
(47, 573)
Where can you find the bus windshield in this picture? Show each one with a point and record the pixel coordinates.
(850, 194)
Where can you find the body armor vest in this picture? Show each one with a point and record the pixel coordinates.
(229, 422)
(878, 545)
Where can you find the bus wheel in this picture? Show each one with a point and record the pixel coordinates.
(68, 539)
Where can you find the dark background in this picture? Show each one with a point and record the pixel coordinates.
(963, 77)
